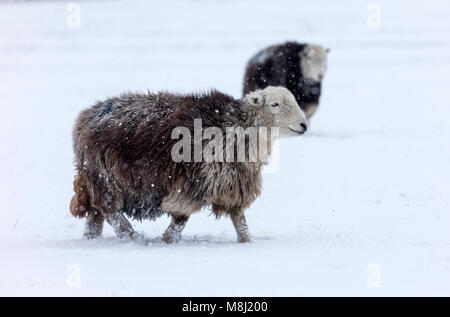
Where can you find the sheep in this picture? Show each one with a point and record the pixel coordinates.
(298, 67)
(126, 163)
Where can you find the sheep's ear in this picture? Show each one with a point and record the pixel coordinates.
(255, 99)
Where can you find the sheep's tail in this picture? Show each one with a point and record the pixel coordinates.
(79, 205)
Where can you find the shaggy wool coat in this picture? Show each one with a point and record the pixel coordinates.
(123, 157)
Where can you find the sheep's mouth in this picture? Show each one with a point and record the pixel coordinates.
(297, 131)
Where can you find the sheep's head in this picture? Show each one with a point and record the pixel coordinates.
(276, 107)
(313, 64)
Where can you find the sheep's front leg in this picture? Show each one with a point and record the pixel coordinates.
(240, 224)
(122, 227)
(173, 232)
(94, 225)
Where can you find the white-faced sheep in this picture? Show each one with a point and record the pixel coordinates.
(124, 157)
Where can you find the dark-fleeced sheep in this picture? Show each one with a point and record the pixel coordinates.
(298, 67)
(125, 166)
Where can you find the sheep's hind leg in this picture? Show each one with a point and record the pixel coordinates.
(240, 224)
(94, 225)
(173, 232)
(120, 224)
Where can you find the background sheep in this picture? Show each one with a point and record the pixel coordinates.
(124, 165)
(298, 67)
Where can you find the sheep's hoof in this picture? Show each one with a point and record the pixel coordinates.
(92, 235)
(243, 239)
(126, 235)
(94, 226)
(170, 238)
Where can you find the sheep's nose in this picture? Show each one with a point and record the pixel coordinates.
(304, 126)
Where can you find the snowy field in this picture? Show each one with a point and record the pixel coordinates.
(359, 206)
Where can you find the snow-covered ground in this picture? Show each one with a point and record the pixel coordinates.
(358, 206)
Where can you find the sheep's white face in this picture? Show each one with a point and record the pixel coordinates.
(276, 106)
(313, 62)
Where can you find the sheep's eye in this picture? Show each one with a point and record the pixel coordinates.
(276, 104)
